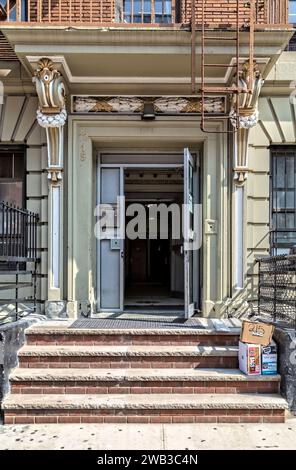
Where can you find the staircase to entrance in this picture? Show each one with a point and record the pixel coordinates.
(139, 375)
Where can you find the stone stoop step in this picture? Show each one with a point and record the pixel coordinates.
(62, 335)
(179, 408)
(170, 375)
(84, 381)
(151, 356)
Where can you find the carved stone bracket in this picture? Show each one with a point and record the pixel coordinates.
(247, 119)
(51, 114)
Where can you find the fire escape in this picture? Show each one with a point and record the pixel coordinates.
(205, 20)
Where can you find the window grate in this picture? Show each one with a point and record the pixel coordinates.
(283, 200)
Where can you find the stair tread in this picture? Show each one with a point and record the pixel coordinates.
(143, 401)
(162, 374)
(63, 328)
(132, 351)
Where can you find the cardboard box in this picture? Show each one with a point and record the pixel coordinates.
(250, 358)
(256, 333)
(269, 359)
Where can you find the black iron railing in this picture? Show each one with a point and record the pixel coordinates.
(277, 289)
(18, 261)
(18, 234)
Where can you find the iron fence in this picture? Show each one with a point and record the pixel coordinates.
(277, 289)
(18, 261)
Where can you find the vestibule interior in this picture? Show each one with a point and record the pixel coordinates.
(154, 261)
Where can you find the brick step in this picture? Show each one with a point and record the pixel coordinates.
(63, 335)
(178, 408)
(128, 356)
(139, 381)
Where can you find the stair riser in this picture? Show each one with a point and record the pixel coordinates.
(129, 362)
(126, 340)
(145, 416)
(136, 387)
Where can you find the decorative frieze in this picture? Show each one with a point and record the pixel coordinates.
(163, 105)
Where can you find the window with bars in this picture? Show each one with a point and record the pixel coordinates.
(146, 11)
(283, 199)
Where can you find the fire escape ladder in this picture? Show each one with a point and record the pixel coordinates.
(242, 24)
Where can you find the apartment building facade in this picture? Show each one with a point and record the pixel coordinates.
(158, 102)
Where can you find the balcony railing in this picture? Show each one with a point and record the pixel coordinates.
(97, 12)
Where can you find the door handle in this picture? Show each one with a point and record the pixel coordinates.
(122, 254)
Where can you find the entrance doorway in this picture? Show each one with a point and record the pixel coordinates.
(154, 268)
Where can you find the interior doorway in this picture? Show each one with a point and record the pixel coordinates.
(154, 262)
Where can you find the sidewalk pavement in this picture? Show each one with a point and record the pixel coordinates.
(149, 436)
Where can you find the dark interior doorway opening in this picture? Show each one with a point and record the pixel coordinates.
(154, 267)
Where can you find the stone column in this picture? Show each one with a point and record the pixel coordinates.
(250, 84)
(52, 116)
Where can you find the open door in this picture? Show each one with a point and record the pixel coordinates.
(189, 235)
(111, 245)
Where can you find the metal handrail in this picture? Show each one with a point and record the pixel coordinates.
(277, 289)
(18, 234)
(18, 258)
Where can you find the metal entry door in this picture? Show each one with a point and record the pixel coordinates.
(111, 246)
(191, 254)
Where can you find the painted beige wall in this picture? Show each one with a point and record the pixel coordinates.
(19, 127)
(88, 135)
